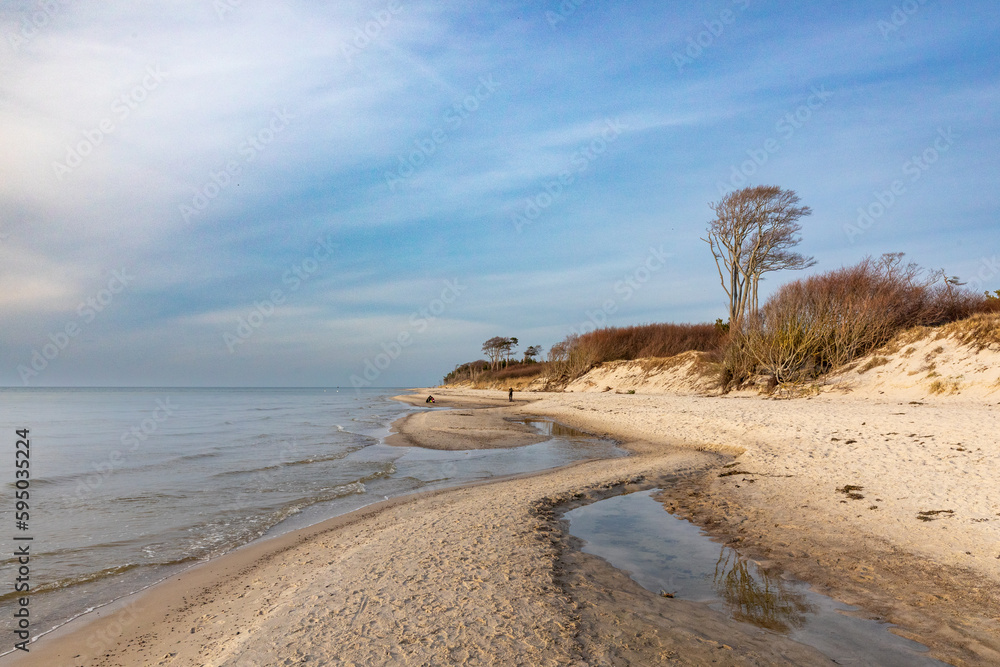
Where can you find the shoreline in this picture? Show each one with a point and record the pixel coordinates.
(134, 607)
(935, 575)
(426, 547)
(106, 621)
(898, 568)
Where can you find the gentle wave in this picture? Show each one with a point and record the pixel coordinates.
(214, 544)
(187, 458)
(283, 464)
(72, 477)
(162, 506)
(148, 498)
(222, 536)
(388, 469)
(90, 577)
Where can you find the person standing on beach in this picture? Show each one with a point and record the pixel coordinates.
(510, 394)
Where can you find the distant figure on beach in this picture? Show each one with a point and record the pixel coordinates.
(510, 394)
(430, 399)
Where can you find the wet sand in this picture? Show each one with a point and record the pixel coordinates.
(485, 574)
(887, 504)
(463, 428)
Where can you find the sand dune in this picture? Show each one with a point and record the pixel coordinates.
(959, 360)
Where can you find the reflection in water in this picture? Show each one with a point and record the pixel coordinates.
(555, 429)
(754, 596)
(661, 552)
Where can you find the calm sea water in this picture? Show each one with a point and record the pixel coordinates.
(131, 485)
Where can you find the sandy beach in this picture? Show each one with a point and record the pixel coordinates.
(885, 504)
(478, 422)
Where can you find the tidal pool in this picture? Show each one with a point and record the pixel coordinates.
(663, 553)
(554, 429)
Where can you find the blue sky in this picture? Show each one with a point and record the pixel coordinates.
(233, 192)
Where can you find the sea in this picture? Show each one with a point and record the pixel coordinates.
(128, 486)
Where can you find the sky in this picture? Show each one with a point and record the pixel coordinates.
(248, 193)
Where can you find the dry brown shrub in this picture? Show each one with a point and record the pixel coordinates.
(944, 386)
(874, 362)
(990, 305)
(519, 371)
(648, 340)
(478, 373)
(578, 354)
(979, 331)
(819, 323)
(913, 335)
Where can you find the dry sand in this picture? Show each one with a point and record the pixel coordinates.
(918, 543)
(485, 575)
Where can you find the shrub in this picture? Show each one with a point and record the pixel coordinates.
(467, 372)
(825, 321)
(638, 342)
(992, 302)
(479, 374)
(874, 362)
(519, 370)
(577, 354)
(980, 331)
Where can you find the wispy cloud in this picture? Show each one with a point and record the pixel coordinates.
(114, 117)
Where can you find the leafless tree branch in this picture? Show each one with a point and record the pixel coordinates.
(753, 233)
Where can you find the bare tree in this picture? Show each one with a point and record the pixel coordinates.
(558, 352)
(511, 346)
(753, 233)
(494, 349)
